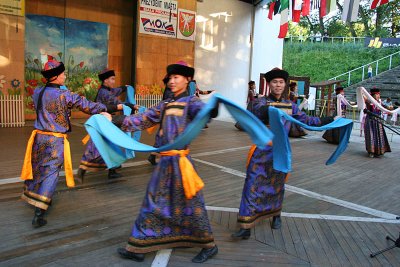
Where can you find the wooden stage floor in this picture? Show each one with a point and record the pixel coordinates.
(333, 215)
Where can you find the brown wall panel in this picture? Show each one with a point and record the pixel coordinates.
(12, 46)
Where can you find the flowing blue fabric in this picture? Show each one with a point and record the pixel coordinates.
(130, 95)
(192, 88)
(109, 139)
(130, 98)
(281, 146)
(136, 135)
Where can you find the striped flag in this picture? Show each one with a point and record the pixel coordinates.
(284, 10)
(350, 10)
(322, 8)
(327, 6)
(297, 10)
(305, 10)
(315, 4)
(330, 6)
(376, 3)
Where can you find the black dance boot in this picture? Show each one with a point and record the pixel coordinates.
(38, 220)
(152, 159)
(242, 234)
(276, 222)
(205, 254)
(81, 175)
(112, 174)
(130, 255)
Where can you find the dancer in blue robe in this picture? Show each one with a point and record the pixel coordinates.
(170, 216)
(376, 141)
(264, 187)
(48, 147)
(107, 94)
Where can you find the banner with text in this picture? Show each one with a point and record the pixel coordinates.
(13, 7)
(381, 42)
(186, 24)
(158, 17)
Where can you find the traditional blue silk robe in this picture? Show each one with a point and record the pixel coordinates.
(48, 151)
(167, 218)
(264, 186)
(91, 158)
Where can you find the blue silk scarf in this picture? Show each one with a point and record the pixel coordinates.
(282, 153)
(109, 139)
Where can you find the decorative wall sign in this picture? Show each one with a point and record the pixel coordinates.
(13, 7)
(186, 24)
(158, 17)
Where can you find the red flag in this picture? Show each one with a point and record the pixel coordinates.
(296, 10)
(322, 9)
(271, 10)
(305, 10)
(376, 3)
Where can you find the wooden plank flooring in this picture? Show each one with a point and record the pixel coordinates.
(87, 224)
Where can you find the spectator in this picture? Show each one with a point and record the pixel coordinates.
(326, 36)
(369, 71)
(388, 105)
(312, 36)
(293, 93)
(251, 94)
(318, 37)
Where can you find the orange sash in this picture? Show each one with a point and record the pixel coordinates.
(192, 183)
(27, 174)
(152, 129)
(85, 139)
(250, 154)
(251, 151)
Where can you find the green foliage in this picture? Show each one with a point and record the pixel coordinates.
(322, 61)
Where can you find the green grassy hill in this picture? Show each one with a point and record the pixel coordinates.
(321, 61)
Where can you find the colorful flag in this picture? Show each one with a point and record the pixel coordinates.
(350, 10)
(271, 10)
(277, 7)
(297, 10)
(376, 3)
(322, 9)
(284, 10)
(330, 6)
(327, 6)
(305, 10)
(315, 4)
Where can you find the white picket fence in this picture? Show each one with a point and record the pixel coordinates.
(148, 100)
(12, 112)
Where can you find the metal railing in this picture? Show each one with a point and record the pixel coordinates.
(321, 39)
(378, 66)
(148, 100)
(321, 107)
